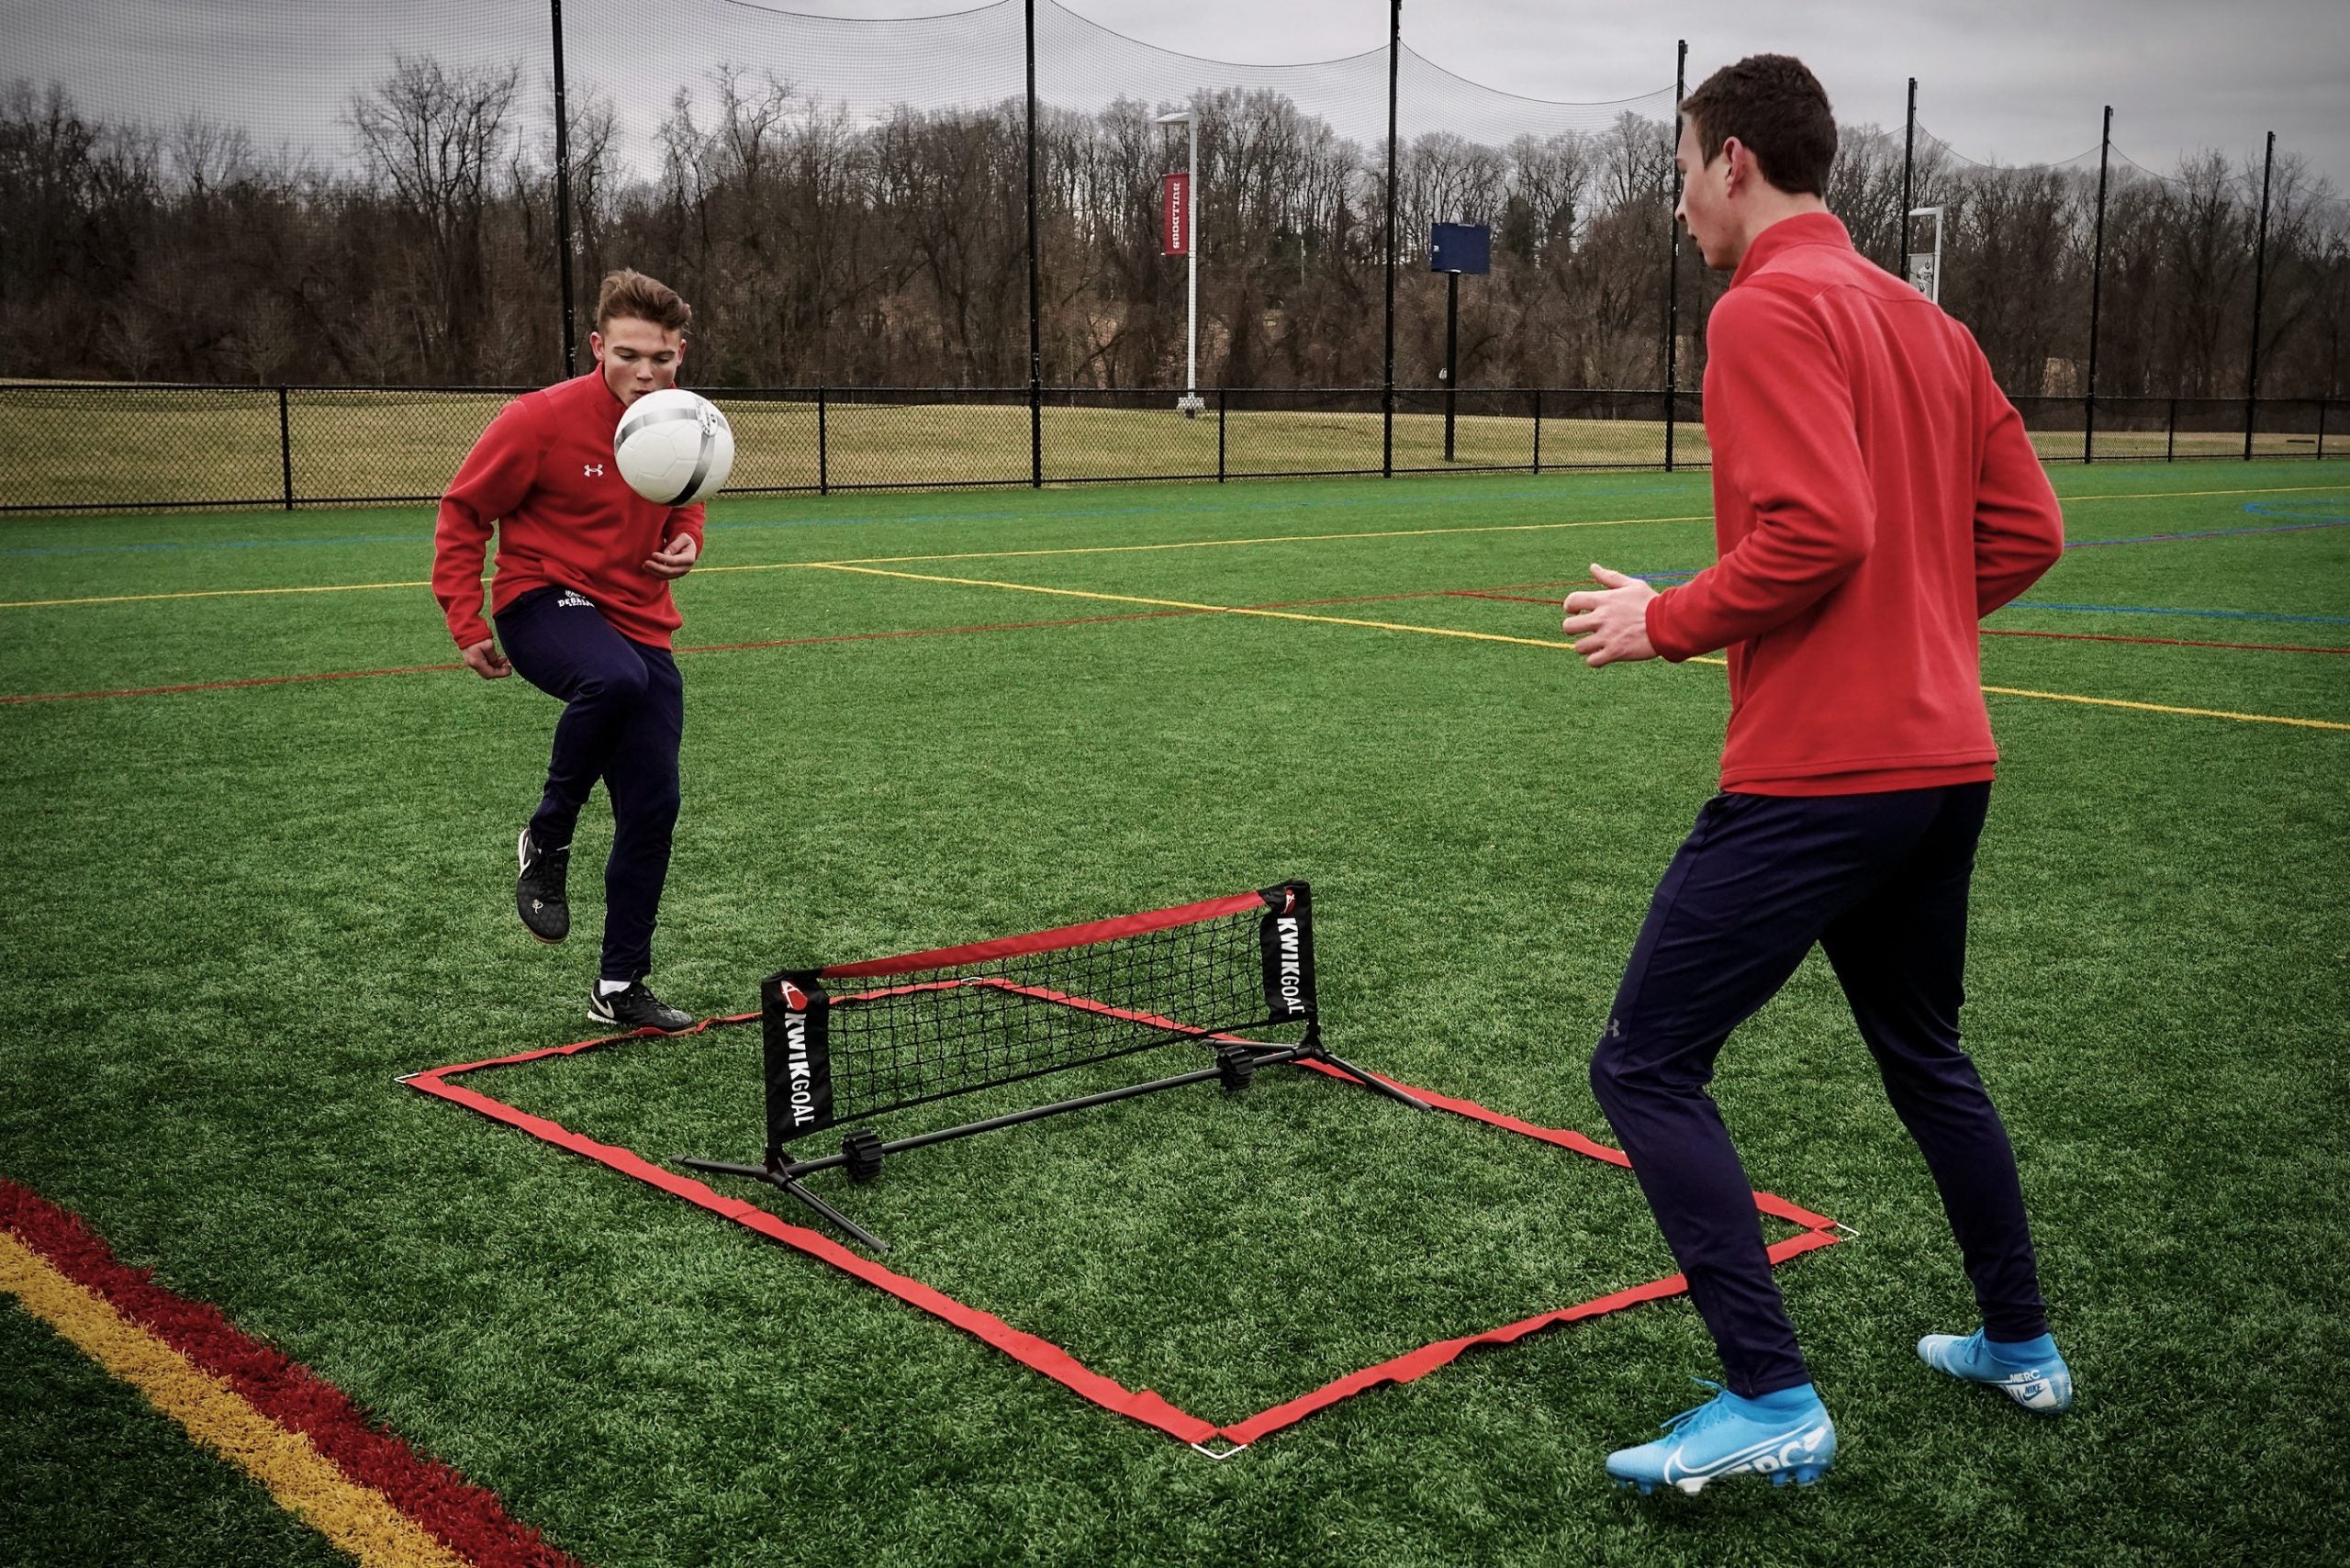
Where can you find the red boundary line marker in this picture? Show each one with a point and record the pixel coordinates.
(1041, 1355)
(467, 1519)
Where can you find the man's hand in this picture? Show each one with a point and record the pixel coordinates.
(1613, 623)
(673, 559)
(483, 659)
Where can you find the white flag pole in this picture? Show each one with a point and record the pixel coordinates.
(1191, 402)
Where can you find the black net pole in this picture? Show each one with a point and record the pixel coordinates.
(1672, 257)
(2096, 282)
(2260, 292)
(1036, 328)
(1451, 353)
(563, 196)
(1387, 370)
(1908, 161)
(285, 445)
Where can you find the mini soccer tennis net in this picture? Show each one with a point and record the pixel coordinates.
(851, 1042)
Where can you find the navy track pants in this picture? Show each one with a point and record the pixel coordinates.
(624, 716)
(1880, 881)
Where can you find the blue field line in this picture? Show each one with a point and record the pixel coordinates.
(2213, 533)
(854, 521)
(2322, 509)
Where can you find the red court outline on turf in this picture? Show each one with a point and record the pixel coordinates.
(1041, 1355)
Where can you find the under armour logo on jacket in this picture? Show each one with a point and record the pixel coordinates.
(591, 470)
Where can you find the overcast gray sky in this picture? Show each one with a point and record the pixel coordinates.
(2007, 81)
(2001, 81)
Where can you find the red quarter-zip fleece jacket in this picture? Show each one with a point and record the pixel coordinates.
(544, 475)
(1875, 496)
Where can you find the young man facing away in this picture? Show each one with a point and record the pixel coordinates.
(1875, 496)
(581, 597)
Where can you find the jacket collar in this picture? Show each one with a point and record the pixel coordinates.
(1804, 228)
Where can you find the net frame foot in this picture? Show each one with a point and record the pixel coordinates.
(1371, 1082)
(787, 1181)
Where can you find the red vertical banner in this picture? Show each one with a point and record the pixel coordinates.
(1175, 215)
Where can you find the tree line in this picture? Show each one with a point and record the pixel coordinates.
(818, 248)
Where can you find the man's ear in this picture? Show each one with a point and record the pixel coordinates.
(1737, 163)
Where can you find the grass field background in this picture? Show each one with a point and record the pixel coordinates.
(236, 914)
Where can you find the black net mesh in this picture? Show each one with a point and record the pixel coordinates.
(2016, 242)
(909, 1038)
(275, 194)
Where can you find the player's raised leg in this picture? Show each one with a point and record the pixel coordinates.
(560, 644)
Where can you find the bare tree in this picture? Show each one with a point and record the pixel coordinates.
(434, 137)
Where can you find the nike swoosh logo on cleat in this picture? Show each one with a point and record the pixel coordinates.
(1768, 1455)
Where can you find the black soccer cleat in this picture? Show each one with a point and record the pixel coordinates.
(538, 896)
(637, 1008)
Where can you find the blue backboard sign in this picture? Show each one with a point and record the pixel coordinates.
(1461, 248)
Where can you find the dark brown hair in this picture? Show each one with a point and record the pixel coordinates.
(628, 293)
(1778, 111)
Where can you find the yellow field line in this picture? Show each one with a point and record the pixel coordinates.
(201, 593)
(359, 1519)
(1187, 604)
(1221, 544)
(2165, 708)
(1522, 642)
(905, 560)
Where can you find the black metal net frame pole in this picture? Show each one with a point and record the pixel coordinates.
(1035, 330)
(862, 1152)
(2259, 295)
(1387, 371)
(1673, 255)
(563, 196)
(1908, 162)
(2097, 283)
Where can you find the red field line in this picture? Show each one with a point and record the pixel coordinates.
(712, 648)
(225, 685)
(464, 1518)
(1495, 593)
(709, 649)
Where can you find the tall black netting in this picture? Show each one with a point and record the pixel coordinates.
(267, 191)
(321, 204)
(2016, 242)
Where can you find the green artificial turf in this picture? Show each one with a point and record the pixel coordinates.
(236, 914)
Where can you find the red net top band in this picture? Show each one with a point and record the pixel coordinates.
(1093, 931)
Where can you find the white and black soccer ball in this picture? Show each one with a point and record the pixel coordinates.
(674, 447)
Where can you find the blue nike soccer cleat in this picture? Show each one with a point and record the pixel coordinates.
(1785, 1436)
(2031, 1372)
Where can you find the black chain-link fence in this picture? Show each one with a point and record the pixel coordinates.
(99, 447)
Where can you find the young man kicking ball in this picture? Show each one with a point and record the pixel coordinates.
(1875, 496)
(581, 597)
